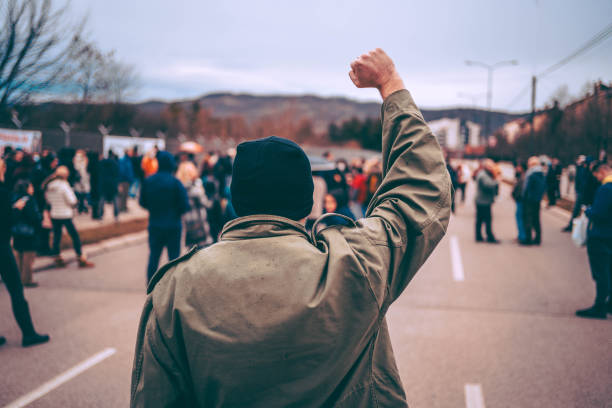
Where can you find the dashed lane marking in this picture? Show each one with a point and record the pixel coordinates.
(62, 378)
(473, 396)
(457, 264)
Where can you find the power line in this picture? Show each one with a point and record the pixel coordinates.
(519, 96)
(602, 35)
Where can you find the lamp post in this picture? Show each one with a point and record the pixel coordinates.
(490, 68)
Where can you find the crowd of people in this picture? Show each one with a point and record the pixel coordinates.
(537, 180)
(189, 200)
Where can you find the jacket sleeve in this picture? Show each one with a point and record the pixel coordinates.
(156, 379)
(409, 212)
(69, 196)
(600, 210)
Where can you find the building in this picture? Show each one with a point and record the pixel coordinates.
(457, 135)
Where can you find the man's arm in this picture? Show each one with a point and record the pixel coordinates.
(156, 379)
(409, 213)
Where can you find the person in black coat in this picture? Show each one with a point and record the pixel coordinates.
(95, 192)
(10, 274)
(109, 180)
(26, 222)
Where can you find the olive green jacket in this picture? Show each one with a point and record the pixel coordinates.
(272, 317)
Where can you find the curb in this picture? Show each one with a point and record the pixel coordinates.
(125, 241)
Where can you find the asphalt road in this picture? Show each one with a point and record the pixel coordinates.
(504, 336)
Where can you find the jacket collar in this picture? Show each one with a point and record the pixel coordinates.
(261, 226)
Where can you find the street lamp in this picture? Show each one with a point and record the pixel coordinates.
(490, 68)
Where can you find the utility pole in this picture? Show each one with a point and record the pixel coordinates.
(490, 68)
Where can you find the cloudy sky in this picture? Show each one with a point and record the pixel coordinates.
(187, 48)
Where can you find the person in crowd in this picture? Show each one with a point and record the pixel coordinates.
(126, 178)
(337, 208)
(95, 185)
(517, 196)
(138, 173)
(82, 187)
(10, 273)
(23, 167)
(487, 188)
(454, 180)
(149, 163)
(197, 229)
(553, 179)
(463, 175)
(164, 196)
(109, 181)
(48, 165)
(571, 178)
(274, 316)
(373, 170)
(62, 201)
(358, 186)
(586, 184)
(599, 244)
(13, 162)
(533, 192)
(26, 222)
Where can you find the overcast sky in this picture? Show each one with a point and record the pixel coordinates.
(187, 48)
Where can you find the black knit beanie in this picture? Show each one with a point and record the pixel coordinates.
(272, 176)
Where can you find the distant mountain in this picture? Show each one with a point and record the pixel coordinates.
(321, 111)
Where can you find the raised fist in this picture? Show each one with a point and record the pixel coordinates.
(376, 70)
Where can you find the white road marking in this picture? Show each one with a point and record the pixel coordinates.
(62, 378)
(456, 259)
(473, 396)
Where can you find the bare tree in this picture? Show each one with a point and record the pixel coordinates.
(119, 80)
(37, 43)
(89, 67)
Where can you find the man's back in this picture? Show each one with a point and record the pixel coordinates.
(273, 317)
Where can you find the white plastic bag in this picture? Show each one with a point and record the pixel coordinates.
(579, 230)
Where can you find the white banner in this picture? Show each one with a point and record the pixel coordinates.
(118, 144)
(28, 140)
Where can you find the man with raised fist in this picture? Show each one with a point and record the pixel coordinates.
(272, 316)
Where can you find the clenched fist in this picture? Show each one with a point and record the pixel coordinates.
(376, 70)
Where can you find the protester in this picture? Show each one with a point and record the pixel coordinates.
(26, 222)
(586, 184)
(95, 184)
(126, 178)
(553, 180)
(48, 164)
(82, 187)
(463, 175)
(487, 188)
(454, 181)
(197, 230)
(62, 200)
(272, 316)
(599, 244)
(533, 191)
(335, 203)
(10, 274)
(138, 173)
(517, 195)
(164, 196)
(109, 181)
(149, 163)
